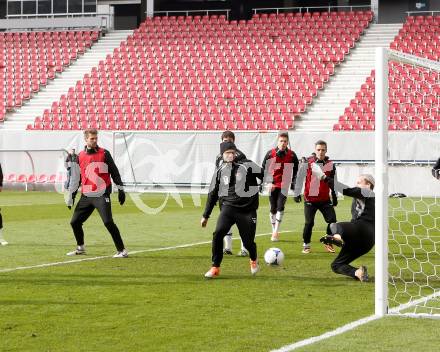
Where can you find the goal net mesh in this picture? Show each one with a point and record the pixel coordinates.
(414, 205)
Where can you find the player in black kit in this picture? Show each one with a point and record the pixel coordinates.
(229, 136)
(235, 185)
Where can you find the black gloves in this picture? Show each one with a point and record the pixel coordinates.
(334, 199)
(436, 173)
(297, 199)
(121, 196)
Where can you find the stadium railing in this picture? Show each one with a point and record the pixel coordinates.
(415, 13)
(313, 8)
(193, 12)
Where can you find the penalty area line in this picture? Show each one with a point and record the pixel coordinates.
(73, 261)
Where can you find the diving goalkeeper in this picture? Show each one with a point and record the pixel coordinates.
(357, 236)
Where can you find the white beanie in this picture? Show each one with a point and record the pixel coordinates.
(369, 178)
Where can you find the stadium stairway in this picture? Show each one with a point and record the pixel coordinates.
(61, 84)
(348, 77)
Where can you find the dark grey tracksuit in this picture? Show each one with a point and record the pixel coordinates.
(358, 234)
(239, 156)
(235, 185)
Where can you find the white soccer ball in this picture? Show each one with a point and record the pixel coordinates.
(274, 256)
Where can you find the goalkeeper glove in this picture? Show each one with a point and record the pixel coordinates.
(436, 173)
(297, 199)
(317, 171)
(121, 196)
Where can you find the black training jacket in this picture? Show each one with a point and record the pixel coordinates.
(235, 184)
(362, 207)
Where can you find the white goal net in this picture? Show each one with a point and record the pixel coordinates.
(408, 256)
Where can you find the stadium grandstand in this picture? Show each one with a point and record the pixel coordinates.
(277, 70)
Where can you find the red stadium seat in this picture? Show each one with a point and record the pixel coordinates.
(52, 178)
(42, 178)
(147, 92)
(31, 178)
(11, 178)
(21, 178)
(32, 59)
(411, 98)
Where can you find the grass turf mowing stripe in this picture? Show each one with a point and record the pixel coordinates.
(45, 265)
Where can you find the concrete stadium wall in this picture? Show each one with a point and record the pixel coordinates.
(44, 23)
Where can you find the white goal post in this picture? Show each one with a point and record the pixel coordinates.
(383, 278)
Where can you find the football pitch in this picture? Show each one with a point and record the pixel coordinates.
(158, 300)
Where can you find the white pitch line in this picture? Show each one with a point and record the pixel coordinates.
(416, 302)
(350, 326)
(45, 265)
(338, 331)
(29, 204)
(287, 348)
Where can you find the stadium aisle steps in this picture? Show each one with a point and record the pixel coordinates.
(191, 73)
(30, 60)
(55, 88)
(414, 93)
(330, 103)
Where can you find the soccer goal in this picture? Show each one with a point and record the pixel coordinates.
(407, 260)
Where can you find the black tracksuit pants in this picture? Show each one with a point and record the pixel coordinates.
(85, 208)
(277, 200)
(246, 222)
(310, 209)
(358, 237)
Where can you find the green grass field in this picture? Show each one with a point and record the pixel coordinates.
(158, 300)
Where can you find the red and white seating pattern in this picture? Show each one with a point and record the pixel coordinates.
(414, 93)
(29, 59)
(420, 36)
(196, 73)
